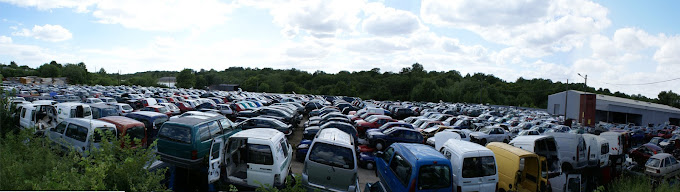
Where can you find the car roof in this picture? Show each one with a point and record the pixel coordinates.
(194, 119)
(90, 123)
(529, 138)
(334, 136)
(146, 114)
(259, 133)
(122, 122)
(462, 147)
(419, 152)
(661, 155)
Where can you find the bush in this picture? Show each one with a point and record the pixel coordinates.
(634, 183)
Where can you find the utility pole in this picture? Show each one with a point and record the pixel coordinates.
(566, 96)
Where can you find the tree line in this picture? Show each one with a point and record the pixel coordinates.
(412, 83)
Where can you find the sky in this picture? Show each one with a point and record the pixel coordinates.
(622, 45)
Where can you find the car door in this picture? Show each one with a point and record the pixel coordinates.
(260, 161)
(56, 134)
(216, 159)
(382, 164)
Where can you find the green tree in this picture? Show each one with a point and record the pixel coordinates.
(186, 79)
(49, 70)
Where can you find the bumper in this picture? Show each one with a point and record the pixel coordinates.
(181, 162)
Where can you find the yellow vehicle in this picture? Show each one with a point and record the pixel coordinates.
(519, 170)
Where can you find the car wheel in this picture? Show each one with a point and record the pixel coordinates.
(483, 141)
(380, 145)
(370, 165)
(505, 140)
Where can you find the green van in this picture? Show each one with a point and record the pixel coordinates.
(185, 141)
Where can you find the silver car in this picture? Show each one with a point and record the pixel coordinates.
(331, 160)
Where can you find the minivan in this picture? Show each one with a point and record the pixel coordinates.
(331, 163)
(597, 150)
(519, 168)
(572, 151)
(257, 157)
(413, 167)
(79, 134)
(474, 166)
(152, 121)
(542, 145)
(185, 141)
(72, 110)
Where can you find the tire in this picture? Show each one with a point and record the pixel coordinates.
(380, 145)
(483, 141)
(505, 141)
(370, 165)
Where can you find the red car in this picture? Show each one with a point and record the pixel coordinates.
(184, 106)
(664, 133)
(158, 108)
(373, 123)
(642, 153)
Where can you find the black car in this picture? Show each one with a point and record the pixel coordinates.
(263, 122)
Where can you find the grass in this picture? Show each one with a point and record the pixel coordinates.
(634, 183)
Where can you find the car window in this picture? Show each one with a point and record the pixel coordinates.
(388, 154)
(401, 169)
(158, 122)
(135, 133)
(434, 177)
(284, 147)
(76, 132)
(332, 155)
(472, 165)
(666, 162)
(60, 128)
(175, 133)
(98, 136)
(204, 132)
(652, 162)
(215, 153)
(260, 154)
(87, 111)
(214, 129)
(226, 124)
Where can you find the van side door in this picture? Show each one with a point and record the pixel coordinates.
(56, 134)
(216, 156)
(398, 177)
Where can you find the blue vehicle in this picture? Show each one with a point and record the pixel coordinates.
(302, 149)
(390, 125)
(367, 160)
(152, 121)
(413, 167)
(380, 140)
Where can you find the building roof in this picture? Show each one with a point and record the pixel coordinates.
(632, 103)
(167, 79)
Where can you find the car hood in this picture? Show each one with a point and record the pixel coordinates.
(374, 134)
(431, 129)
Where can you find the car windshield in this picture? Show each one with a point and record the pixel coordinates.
(279, 123)
(434, 177)
(162, 110)
(332, 155)
(652, 162)
(458, 123)
(485, 130)
(176, 133)
(127, 107)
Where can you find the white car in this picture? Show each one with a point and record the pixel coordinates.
(662, 164)
(123, 108)
(490, 134)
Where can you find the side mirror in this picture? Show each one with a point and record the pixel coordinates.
(380, 154)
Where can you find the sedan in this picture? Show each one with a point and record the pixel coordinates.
(490, 134)
(263, 122)
(643, 153)
(662, 164)
(380, 140)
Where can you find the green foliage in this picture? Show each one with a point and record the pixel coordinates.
(293, 184)
(630, 183)
(76, 73)
(7, 110)
(31, 162)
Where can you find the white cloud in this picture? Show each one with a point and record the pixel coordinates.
(47, 32)
(5, 39)
(668, 54)
(387, 21)
(80, 5)
(320, 18)
(376, 45)
(545, 26)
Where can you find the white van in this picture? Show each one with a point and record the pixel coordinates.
(331, 163)
(598, 150)
(72, 110)
(257, 157)
(568, 182)
(474, 166)
(79, 134)
(542, 145)
(572, 151)
(40, 116)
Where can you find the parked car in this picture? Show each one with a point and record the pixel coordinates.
(174, 110)
(93, 100)
(474, 166)
(543, 145)
(373, 123)
(490, 134)
(656, 141)
(413, 167)
(642, 153)
(310, 132)
(152, 121)
(662, 165)
(597, 150)
(123, 109)
(79, 134)
(158, 108)
(572, 151)
(186, 141)
(519, 170)
(72, 110)
(256, 157)
(263, 122)
(380, 140)
(100, 110)
(331, 163)
(129, 127)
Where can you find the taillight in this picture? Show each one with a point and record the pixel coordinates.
(458, 188)
(412, 188)
(194, 155)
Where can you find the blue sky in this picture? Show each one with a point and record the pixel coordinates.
(615, 42)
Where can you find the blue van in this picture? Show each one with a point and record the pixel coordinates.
(413, 167)
(152, 121)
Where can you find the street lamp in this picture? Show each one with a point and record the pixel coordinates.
(585, 83)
